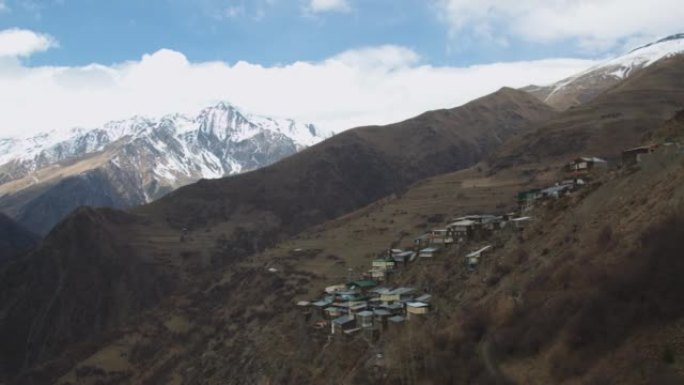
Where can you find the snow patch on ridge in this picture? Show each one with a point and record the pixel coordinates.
(173, 149)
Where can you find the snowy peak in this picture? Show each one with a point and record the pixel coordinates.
(226, 122)
(586, 85)
(645, 56)
(158, 154)
(220, 123)
(679, 36)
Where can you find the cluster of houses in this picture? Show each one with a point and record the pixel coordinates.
(578, 174)
(370, 306)
(365, 306)
(465, 229)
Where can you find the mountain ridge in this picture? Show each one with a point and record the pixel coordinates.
(201, 229)
(140, 159)
(580, 88)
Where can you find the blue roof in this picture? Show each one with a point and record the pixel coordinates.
(343, 320)
(322, 303)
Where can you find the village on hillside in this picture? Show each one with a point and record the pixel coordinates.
(368, 304)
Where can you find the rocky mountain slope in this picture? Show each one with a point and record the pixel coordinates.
(193, 233)
(131, 162)
(585, 86)
(619, 118)
(201, 306)
(588, 294)
(14, 239)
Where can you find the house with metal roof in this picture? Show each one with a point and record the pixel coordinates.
(340, 324)
(585, 164)
(422, 241)
(462, 229)
(521, 222)
(441, 237)
(322, 304)
(362, 284)
(365, 319)
(404, 257)
(416, 309)
(333, 312)
(635, 155)
(396, 320)
(397, 294)
(394, 308)
(472, 259)
(424, 298)
(383, 264)
(429, 252)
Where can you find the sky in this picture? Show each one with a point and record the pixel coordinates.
(335, 63)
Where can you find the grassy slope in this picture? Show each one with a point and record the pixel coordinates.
(570, 301)
(133, 260)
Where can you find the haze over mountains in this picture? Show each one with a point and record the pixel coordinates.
(178, 291)
(135, 161)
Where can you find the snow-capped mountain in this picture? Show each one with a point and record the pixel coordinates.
(137, 160)
(586, 85)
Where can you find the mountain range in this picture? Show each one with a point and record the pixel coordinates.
(135, 161)
(164, 247)
(199, 286)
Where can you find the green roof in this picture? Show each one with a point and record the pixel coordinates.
(363, 283)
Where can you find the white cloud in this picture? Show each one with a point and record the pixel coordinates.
(22, 42)
(385, 57)
(319, 6)
(366, 86)
(596, 25)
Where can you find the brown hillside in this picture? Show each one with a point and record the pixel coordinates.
(100, 267)
(358, 166)
(619, 118)
(241, 326)
(587, 295)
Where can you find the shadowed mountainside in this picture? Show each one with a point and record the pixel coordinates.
(14, 238)
(358, 166)
(99, 267)
(588, 294)
(42, 206)
(618, 119)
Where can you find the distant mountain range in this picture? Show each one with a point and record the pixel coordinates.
(581, 88)
(135, 161)
(176, 290)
